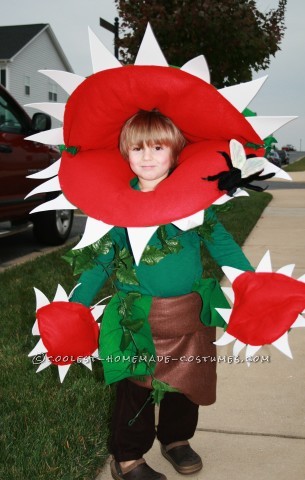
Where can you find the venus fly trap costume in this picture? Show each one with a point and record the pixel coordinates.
(151, 241)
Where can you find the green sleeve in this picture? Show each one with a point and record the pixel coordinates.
(91, 281)
(223, 248)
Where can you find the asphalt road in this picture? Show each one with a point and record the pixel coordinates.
(22, 247)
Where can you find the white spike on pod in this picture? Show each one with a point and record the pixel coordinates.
(198, 67)
(56, 110)
(58, 203)
(67, 80)
(241, 95)
(51, 185)
(101, 58)
(139, 237)
(150, 52)
(49, 137)
(48, 172)
(94, 231)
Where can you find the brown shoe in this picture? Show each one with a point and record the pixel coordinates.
(139, 470)
(182, 457)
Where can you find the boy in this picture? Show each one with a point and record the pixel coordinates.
(151, 143)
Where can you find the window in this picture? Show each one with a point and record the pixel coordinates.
(52, 92)
(3, 76)
(27, 87)
(10, 119)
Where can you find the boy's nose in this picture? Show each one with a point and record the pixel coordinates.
(146, 153)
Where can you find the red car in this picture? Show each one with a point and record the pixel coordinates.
(289, 148)
(19, 158)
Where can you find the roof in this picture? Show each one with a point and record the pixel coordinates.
(14, 38)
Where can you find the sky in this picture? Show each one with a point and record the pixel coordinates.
(282, 94)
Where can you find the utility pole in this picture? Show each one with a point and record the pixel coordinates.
(113, 29)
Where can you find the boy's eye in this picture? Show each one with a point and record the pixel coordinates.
(135, 149)
(158, 147)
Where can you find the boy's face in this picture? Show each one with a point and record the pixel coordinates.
(151, 163)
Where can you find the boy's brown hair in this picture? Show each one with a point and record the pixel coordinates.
(151, 127)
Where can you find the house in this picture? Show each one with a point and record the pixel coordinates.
(25, 49)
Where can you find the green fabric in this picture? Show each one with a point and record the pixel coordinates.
(174, 274)
(139, 358)
(212, 297)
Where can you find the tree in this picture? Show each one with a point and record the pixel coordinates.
(233, 35)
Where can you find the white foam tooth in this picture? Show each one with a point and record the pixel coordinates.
(198, 67)
(38, 349)
(237, 348)
(35, 329)
(54, 136)
(251, 350)
(282, 174)
(41, 299)
(232, 273)
(150, 52)
(48, 172)
(241, 95)
(302, 278)
(282, 345)
(229, 292)
(139, 237)
(225, 313)
(51, 185)
(44, 364)
(287, 270)
(63, 370)
(102, 300)
(54, 109)
(58, 203)
(224, 340)
(265, 126)
(101, 58)
(265, 263)
(278, 172)
(87, 362)
(300, 322)
(98, 311)
(94, 230)
(192, 221)
(60, 295)
(73, 290)
(240, 193)
(95, 354)
(222, 200)
(67, 80)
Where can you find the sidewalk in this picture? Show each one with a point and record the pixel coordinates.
(256, 429)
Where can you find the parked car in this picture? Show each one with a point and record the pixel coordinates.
(274, 158)
(289, 148)
(19, 158)
(284, 156)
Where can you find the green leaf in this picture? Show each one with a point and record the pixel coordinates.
(127, 275)
(85, 258)
(152, 255)
(159, 390)
(206, 229)
(172, 245)
(133, 324)
(125, 340)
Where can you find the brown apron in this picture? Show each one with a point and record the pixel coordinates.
(186, 355)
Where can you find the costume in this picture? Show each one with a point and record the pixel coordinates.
(93, 176)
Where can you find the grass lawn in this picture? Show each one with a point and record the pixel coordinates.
(53, 431)
(298, 166)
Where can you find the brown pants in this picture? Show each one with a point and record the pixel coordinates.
(178, 418)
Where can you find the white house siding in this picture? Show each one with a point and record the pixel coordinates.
(40, 54)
